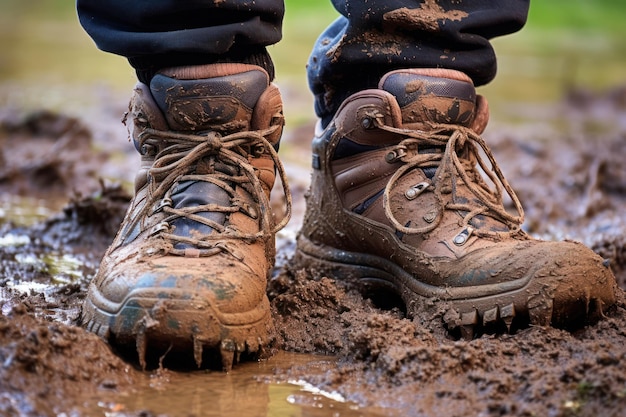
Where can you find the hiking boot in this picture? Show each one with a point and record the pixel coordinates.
(407, 197)
(188, 268)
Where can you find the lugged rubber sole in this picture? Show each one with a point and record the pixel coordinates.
(179, 325)
(468, 310)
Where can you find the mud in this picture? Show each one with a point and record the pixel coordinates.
(44, 361)
(427, 17)
(45, 155)
(570, 177)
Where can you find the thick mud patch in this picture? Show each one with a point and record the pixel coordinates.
(46, 365)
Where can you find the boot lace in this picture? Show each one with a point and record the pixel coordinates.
(174, 164)
(451, 169)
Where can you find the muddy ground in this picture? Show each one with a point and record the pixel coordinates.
(571, 177)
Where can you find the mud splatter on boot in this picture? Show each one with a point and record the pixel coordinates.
(188, 269)
(406, 196)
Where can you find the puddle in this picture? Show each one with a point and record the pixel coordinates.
(62, 268)
(251, 389)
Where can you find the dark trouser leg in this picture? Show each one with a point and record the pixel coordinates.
(154, 34)
(374, 37)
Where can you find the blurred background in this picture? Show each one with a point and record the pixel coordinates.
(47, 60)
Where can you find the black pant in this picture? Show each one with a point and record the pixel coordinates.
(370, 38)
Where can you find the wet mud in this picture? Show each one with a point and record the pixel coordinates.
(570, 177)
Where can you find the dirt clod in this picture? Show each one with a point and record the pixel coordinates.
(45, 362)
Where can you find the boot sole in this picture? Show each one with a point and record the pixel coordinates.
(178, 323)
(467, 310)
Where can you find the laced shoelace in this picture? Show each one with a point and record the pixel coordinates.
(172, 165)
(454, 139)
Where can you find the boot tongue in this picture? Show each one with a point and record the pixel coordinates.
(426, 98)
(206, 98)
(197, 193)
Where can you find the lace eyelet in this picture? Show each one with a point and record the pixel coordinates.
(413, 192)
(257, 150)
(148, 150)
(463, 236)
(165, 202)
(430, 216)
(391, 157)
(367, 123)
(159, 228)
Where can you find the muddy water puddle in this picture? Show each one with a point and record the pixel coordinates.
(251, 389)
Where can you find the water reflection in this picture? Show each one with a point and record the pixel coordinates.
(251, 389)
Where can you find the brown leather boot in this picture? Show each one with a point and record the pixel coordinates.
(188, 269)
(402, 199)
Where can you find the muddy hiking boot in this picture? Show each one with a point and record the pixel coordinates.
(406, 197)
(188, 269)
